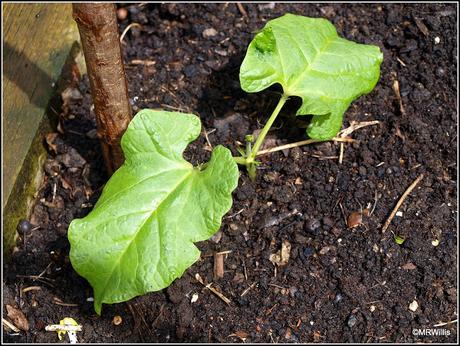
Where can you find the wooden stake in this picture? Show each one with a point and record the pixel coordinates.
(97, 24)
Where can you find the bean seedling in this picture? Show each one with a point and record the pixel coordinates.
(140, 235)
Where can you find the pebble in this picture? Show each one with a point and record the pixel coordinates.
(413, 306)
(440, 72)
(292, 291)
(352, 321)
(312, 225)
(217, 237)
(324, 250)
(24, 226)
(308, 251)
(210, 32)
(122, 13)
(338, 298)
(194, 298)
(437, 40)
(233, 226)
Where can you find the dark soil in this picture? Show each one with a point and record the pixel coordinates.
(340, 284)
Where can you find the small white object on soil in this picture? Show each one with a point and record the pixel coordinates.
(437, 40)
(413, 306)
(399, 213)
(194, 298)
(435, 242)
(372, 308)
(210, 32)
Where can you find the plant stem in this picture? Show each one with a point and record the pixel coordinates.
(240, 160)
(268, 125)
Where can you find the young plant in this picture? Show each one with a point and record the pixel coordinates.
(140, 235)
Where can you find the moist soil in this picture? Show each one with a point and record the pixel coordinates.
(340, 284)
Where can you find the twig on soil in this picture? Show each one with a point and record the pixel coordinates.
(212, 289)
(54, 193)
(127, 29)
(173, 107)
(143, 62)
(398, 96)
(400, 202)
(38, 278)
(376, 198)
(269, 311)
(343, 214)
(63, 328)
(401, 62)
(241, 9)
(31, 288)
(135, 319)
(324, 157)
(233, 215)
(158, 317)
(305, 142)
(247, 289)
(341, 153)
(10, 325)
(355, 125)
(218, 266)
(349, 130)
(206, 133)
(245, 270)
(277, 286)
(441, 324)
(44, 270)
(57, 301)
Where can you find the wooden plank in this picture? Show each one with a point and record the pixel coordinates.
(37, 40)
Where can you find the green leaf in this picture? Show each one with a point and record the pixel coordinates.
(139, 236)
(399, 240)
(309, 60)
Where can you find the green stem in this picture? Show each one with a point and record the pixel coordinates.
(268, 125)
(240, 160)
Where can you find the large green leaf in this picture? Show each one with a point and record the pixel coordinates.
(139, 236)
(308, 58)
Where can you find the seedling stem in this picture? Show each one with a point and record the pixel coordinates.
(249, 158)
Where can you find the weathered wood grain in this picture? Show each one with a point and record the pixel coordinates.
(37, 41)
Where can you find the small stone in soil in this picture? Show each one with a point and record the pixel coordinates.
(413, 306)
(292, 291)
(338, 298)
(24, 226)
(210, 32)
(308, 251)
(312, 226)
(122, 13)
(351, 321)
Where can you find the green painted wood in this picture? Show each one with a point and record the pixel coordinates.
(37, 41)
